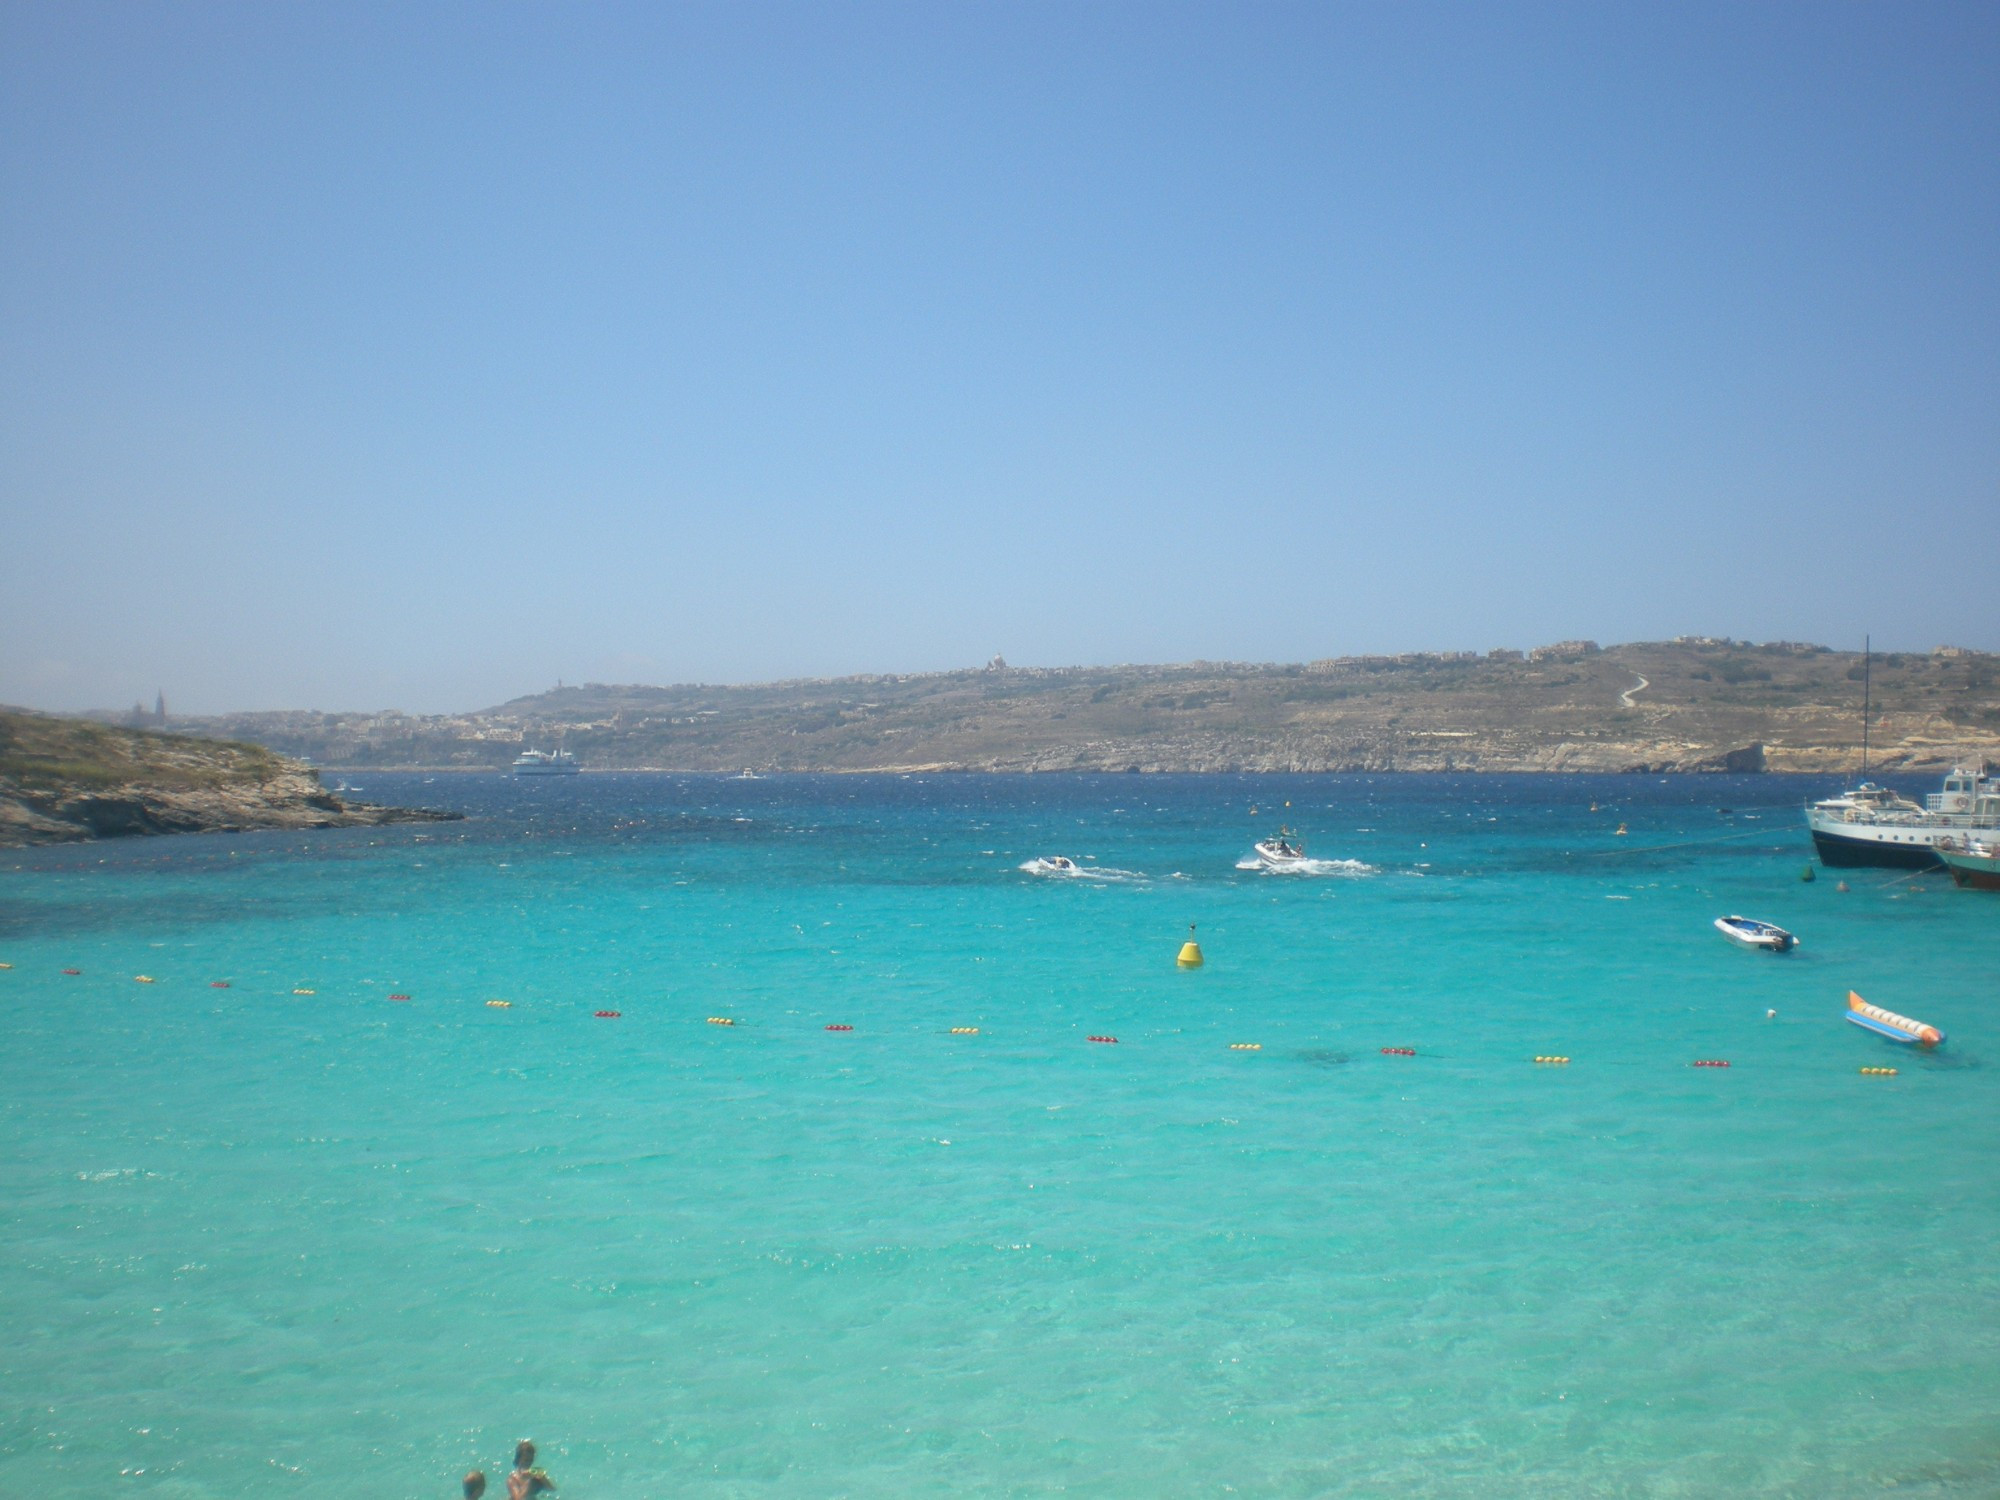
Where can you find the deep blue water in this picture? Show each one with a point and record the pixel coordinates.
(266, 1242)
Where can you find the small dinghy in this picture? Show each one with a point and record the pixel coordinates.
(1754, 934)
(1887, 1023)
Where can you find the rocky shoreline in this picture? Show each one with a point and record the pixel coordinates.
(63, 782)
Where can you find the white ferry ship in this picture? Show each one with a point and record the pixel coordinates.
(1872, 825)
(545, 763)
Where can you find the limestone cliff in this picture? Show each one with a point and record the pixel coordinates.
(64, 780)
(1699, 704)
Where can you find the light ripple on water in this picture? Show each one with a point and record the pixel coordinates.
(332, 1241)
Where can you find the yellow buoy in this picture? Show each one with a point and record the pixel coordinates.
(1190, 951)
(302, 992)
(1557, 1061)
(144, 978)
(720, 1021)
(965, 1031)
(1246, 1046)
(1879, 1072)
(501, 1004)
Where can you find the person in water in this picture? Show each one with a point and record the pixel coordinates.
(475, 1485)
(526, 1481)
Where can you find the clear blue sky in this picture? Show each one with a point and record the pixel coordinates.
(416, 355)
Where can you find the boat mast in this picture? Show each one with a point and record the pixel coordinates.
(1867, 656)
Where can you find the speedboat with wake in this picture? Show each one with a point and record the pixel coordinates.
(1754, 934)
(1281, 851)
(1052, 864)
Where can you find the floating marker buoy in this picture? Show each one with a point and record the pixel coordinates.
(1190, 957)
(1878, 1072)
(500, 1004)
(6, 966)
(965, 1031)
(1555, 1060)
(1710, 1062)
(1399, 1051)
(72, 971)
(144, 979)
(1808, 875)
(1246, 1046)
(720, 1021)
(305, 992)
(1770, 1015)
(399, 997)
(1112, 1039)
(607, 1015)
(840, 1028)
(223, 984)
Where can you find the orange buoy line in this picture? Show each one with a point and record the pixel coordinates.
(1710, 1062)
(607, 1015)
(223, 984)
(840, 1028)
(72, 971)
(1112, 1039)
(1399, 1051)
(399, 997)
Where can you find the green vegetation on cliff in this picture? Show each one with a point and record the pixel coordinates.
(40, 753)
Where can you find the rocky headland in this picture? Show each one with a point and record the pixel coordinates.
(64, 781)
(1693, 704)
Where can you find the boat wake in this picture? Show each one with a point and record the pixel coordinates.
(1311, 867)
(1060, 868)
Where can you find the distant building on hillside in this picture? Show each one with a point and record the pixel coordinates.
(1952, 651)
(998, 664)
(1564, 651)
(142, 717)
(1504, 653)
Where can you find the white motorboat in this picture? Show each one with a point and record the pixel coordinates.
(545, 763)
(1052, 864)
(1754, 934)
(1280, 851)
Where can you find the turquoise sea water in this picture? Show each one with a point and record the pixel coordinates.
(264, 1243)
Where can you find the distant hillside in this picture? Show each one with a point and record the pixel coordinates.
(64, 780)
(1660, 706)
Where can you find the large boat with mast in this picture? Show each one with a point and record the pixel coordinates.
(1872, 825)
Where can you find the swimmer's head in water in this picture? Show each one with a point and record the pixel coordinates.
(524, 1454)
(475, 1485)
